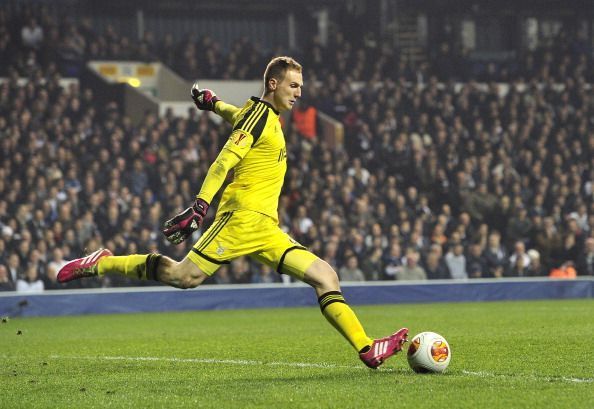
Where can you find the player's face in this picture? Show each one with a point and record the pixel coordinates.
(288, 90)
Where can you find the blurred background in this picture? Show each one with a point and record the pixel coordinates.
(434, 140)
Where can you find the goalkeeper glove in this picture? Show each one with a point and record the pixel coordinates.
(180, 227)
(204, 99)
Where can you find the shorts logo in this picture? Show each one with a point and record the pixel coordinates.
(220, 250)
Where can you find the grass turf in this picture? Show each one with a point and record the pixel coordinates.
(505, 355)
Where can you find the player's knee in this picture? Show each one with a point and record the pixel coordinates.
(330, 279)
(191, 281)
(188, 278)
(322, 276)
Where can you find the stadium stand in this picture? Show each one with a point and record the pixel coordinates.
(478, 171)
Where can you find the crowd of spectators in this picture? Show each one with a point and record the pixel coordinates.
(34, 38)
(432, 182)
(40, 36)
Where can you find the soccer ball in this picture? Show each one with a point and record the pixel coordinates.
(429, 352)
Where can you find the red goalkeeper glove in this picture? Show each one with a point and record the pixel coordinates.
(204, 99)
(180, 227)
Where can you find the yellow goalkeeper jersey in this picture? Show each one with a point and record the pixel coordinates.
(257, 138)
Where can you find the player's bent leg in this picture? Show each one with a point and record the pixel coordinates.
(322, 277)
(183, 274)
(102, 261)
(373, 353)
(157, 267)
(139, 266)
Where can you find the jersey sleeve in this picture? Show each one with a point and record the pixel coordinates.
(245, 134)
(215, 177)
(227, 111)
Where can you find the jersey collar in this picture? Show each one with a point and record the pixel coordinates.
(268, 104)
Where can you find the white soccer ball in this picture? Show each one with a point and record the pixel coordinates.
(429, 352)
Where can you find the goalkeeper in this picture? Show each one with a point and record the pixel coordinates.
(246, 222)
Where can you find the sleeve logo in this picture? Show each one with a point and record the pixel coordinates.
(239, 139)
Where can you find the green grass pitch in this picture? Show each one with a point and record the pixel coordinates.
(505, 355)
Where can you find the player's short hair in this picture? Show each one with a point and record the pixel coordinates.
(277, 68)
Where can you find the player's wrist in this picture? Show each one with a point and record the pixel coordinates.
(210, 100)
(201, 206)
(215, 99)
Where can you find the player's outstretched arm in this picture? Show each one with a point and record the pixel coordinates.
(181, 226)
(206, 100)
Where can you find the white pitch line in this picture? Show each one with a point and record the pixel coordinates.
(244, 362)
(212, 361)
(482, 374)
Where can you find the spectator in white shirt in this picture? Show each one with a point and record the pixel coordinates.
(32, 35)
(519, 252)
(456, 262)
(31, 283)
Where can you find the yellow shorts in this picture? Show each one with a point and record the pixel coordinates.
(244, 232)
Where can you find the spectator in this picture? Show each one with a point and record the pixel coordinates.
(585, 265)
(372, 264)
(265, 275)
(495, 256)
(519, 227)
(376, 234)
(50, 280)
(565, 270)
(30, 283)
(240, 271)
(32, 35)
(5, 283)
(57, 261)
(519, 253)
(351, 271)
(411, 270)
(15, 271)
(3, 249)
(435, 265)
(535, 269)
(302, 222)
(518, 268)
(331, 253)
(549, 242)
(475, 262)
(456, 262)
(305, 118)
(392, 261)
(222, 276)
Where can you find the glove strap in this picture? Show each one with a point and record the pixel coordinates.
(201, 206)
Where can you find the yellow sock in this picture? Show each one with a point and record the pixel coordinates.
(141, 266)
(343, 318)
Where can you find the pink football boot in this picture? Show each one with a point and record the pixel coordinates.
(383, 348)
(82, 267)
